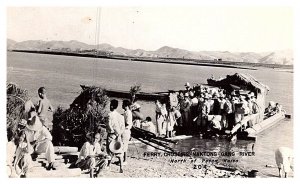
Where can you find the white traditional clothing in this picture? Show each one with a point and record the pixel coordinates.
(127, 132)
(44, 144)
(10, 153)
(88, 149)
(173, 99)
(115, 124)
(149, 126)
(23, 159)
(115, 127)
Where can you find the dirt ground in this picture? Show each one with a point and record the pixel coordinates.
(140, 167)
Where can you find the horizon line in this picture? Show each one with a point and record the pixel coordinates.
(291, 49)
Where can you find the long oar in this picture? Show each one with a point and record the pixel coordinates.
(154, 146)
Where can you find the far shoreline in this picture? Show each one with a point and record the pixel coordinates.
(181, 61)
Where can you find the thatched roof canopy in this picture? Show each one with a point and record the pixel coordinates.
(244, 81)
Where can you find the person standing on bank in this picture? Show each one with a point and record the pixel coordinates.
(115, 128)
(40, 138)
(44, 106)
(128, 125)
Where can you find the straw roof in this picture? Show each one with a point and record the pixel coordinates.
(244, 81)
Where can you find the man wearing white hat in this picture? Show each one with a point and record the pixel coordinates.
(40, 138)
(115, 129)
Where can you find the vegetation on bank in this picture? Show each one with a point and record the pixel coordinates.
(86, 115)
(15, 106)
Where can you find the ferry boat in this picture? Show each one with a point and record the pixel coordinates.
(238, 81)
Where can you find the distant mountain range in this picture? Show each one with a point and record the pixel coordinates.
(284, 57)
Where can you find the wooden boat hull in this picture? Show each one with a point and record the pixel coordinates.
(249, 133)
(265, 124)
(139, 96)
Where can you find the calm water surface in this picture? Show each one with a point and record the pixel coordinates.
(62, 75)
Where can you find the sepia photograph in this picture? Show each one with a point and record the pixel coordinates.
(149, 91)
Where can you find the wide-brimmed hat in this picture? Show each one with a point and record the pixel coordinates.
(35, 123)
(116, 146)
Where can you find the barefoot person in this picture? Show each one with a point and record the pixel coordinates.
(40, 138)
(115, 129)
(91, 157)
(44, 106)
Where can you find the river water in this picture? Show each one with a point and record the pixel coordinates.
(62, 75)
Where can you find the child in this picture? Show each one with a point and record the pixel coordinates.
(23, 155)
(174, 114)
(43, 107)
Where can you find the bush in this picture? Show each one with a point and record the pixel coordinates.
(87, 115)
(15, 106)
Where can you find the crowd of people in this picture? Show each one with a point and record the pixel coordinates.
(202, 109)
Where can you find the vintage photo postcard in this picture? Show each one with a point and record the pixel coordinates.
(149, 92)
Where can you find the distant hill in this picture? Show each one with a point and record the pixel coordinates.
(284, 57)
(10, 43)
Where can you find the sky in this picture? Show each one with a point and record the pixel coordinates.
(195, 28)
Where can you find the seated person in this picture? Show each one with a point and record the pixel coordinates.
(40, 138)
(278, 108)
(271, 109)
(148, 125)
(91, 157)
(214, 123)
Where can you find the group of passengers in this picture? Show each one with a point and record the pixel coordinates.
(200, 109)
